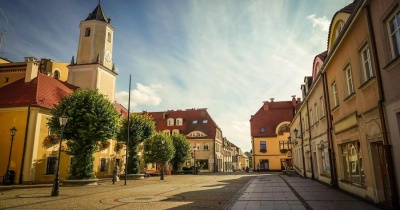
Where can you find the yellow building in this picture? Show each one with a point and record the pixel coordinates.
(28, 92)
(269, 133)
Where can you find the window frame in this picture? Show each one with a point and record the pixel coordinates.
(335, 94)
(51, 164)
(263, 143)
(170, 121)
(103, 167)
(395, 51)
(349, 80)
(366, 73)
(88, 31)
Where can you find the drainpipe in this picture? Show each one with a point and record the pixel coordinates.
(21, 173)
(386, 145)
(331, 150)
(302, 147)
(309, 142)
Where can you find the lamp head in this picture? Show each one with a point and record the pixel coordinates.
(13, 130)
(295, 131)
(63, 120)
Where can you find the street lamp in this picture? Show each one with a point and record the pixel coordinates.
(6, 178)
(162, 164)
(55, 192)
(194, 160)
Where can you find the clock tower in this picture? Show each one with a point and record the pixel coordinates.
(94, 67)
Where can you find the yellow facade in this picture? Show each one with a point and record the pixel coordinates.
(274, 157)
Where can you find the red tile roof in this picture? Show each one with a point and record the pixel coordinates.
(121, 109)
(269, 116)
(188, 116)
(43, 91)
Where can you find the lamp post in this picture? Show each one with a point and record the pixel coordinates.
(162, 163)
(55, 192)
(6, 179)
(194, 160)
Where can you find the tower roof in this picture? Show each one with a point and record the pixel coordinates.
(98, 14)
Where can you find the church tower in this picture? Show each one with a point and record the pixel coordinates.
(94, 67)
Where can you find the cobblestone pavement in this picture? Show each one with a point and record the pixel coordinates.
(205, 191)
(281, 192)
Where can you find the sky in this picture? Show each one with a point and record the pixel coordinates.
(227, 56)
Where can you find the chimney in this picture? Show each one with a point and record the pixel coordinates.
(32, 69)
(294, 100)
(272, 99)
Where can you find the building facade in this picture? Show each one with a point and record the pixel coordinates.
(349, 84)
(269, 128)
(28, 92)
(211, 152)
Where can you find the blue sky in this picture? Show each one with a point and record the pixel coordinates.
(226, 56)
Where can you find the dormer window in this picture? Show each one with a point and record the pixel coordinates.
(339, 28)
(170, 121)
(205, 121)
(194, 121)
(179, 121)
(87, 32)
(262, 130)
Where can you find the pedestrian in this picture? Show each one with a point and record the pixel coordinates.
(258, 168)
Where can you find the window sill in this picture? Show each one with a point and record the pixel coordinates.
(335, 108)
(346, 181)
(367, 83)
(349, 97)
(392, 64)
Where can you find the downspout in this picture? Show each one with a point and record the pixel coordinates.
(386, 146)
(309, 143)
(21, 173)
(302, 147)
(215, 154)
(331, 150)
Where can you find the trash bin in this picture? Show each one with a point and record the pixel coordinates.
(8, 178)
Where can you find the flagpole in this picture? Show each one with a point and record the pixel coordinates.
(127, 142)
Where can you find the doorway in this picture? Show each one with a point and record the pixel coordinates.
(380, 172)
(264, 165)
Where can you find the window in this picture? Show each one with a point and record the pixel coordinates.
(349, 80)
(323, 152)
(103, 164)
(109, 37)
(170, 121)
(262, 130)
(352, 163)
(316, 118)
(205, 121)
(263, 146)
(87, 32)
(167, 132)
(51, 165)
(175, 131)
(206, 146)
(6, 80)
(179, 121)
(339, 27)
(194, 121)
(367, 65)
(322, 103)
(56, 74)
(394, 33)
(335, 95)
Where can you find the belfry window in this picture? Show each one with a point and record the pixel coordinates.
(87, 32)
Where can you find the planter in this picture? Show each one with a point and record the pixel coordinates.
(79, 182)
(132, 176)
(284, 150)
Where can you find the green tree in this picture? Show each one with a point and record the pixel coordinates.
(158, 149)
(142, 127)
(92, 119)
(182, 150)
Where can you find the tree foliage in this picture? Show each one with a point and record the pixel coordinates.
(92, 118)
(158, 149)
(182, 150)
(142, 127)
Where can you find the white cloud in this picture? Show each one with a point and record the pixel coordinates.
(142, 95)
(322, 23)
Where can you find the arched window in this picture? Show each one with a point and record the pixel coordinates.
(175, 131)
(167, 132)
(339, 27)
(56, 74)
(179, 121)
(87, 32)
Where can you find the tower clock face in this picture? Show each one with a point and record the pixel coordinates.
(108, 56)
